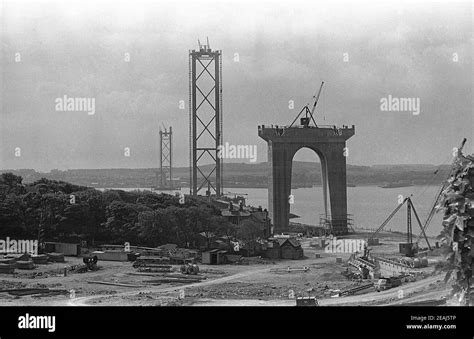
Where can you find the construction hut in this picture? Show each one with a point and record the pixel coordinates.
(62, 247)
(214, 257)
(273, 250)
(205, 240)
(290, 248)
(284, 248)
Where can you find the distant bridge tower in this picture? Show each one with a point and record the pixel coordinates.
(205, 120)
(165, 180)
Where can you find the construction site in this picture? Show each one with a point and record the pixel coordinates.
(334, 265)
(166, 277)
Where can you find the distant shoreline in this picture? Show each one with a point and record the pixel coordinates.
(241, 176)
(251, 187)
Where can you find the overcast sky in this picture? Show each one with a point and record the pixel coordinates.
(414, 50)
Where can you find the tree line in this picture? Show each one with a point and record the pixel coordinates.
(71, 213)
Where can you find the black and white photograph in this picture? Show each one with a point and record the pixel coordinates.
(210, 156)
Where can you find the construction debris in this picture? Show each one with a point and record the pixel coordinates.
(233, 258)
(25, 265)
(8, 261)
(190, 269)
(151, 261)
(56, 257)
(113, 284)
(165, 280)
(40, 259)
(352, 275)
(17, 256)
(7, 268)
(413, 262)
(111, 255)
(33, 291)
(170, 275)
(156, 268)
(354, 290)
(51, 293)
(290, 269)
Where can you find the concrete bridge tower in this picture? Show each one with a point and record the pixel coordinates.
(329, 142)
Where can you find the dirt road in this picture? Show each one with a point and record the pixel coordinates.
(385, 297)
(83, 301)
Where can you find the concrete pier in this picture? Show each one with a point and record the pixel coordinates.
(329, 143)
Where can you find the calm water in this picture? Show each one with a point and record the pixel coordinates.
(369, 205)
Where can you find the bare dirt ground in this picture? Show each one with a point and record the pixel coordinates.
(263, 282)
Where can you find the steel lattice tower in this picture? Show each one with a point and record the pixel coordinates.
(205, 120)
(166, 159)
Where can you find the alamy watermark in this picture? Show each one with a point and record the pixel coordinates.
(228, 151)
(393, 104)
(28, 321)
(66, 104)
(18, 246)
(334, 245)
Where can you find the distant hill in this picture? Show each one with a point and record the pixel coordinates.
(305, 174)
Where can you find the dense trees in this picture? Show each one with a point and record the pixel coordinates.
(71, 213)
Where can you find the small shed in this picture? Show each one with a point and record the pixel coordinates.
(284, 248)
(205, 240)
(62, 247)
(214, 257)
(273, 250)
(290, 249)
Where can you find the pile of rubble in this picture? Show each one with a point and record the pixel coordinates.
(350, 275)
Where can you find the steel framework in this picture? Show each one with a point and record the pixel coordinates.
(166, 159)
(205, 120)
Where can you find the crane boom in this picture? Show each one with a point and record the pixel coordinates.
(317, 98)
(431, 214)
(388, 218)
(419, 223)
(433, 208)
(306, 108)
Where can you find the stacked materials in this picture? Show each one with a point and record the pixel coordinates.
(25, 265)
(40, 259)
(151, 261)
(18, 256)
(7, 268)
(8, 261)
(56, 257)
